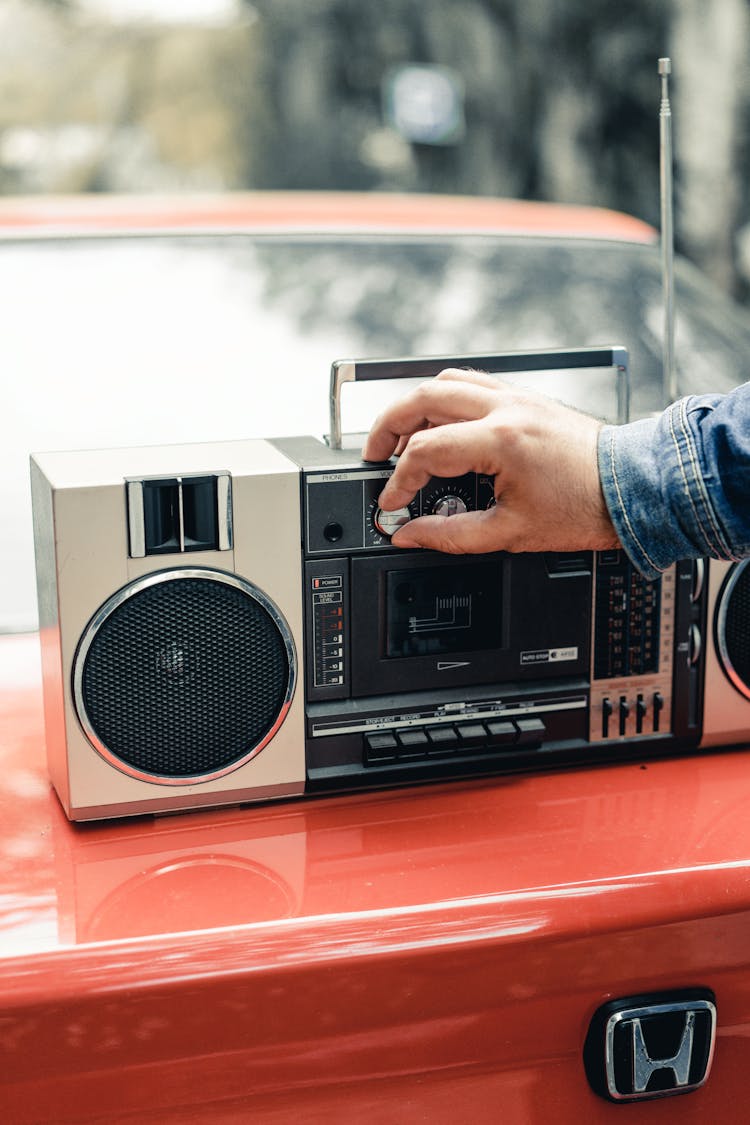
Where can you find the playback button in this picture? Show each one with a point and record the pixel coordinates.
(442, 740)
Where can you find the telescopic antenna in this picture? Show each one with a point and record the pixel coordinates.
(669, 374)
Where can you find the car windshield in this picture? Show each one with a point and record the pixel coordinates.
(163, 339)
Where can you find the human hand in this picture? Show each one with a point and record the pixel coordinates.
(543, 456)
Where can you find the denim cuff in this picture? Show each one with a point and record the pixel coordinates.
(663, 497)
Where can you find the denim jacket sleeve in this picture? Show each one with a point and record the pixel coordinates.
(678, 486)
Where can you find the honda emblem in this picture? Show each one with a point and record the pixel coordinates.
(651, 1046)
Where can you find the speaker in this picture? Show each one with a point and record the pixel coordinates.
(210, 660)
(171, 632)
(726, 707)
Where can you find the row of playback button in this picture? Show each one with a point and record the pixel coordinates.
(414, 743)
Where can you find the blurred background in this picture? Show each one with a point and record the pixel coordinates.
(536, 99)
(183, 335)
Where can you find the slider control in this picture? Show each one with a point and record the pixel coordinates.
(624, 712)
(658, 706)
(606, 716)
(696, 644)
(640, 714)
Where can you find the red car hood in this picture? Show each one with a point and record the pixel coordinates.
(429, 954)
(318, 211)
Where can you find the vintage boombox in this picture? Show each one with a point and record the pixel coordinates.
(225, 623)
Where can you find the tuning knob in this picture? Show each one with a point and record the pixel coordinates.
(388, 523)
(449, 506)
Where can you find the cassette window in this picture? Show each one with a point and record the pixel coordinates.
(443, 610)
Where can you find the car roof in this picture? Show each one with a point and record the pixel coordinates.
(52, 216)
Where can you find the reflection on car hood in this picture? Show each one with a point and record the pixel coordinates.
(120, 341)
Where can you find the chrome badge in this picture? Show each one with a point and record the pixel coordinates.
(651, 1046)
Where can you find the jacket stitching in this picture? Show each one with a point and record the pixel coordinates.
(685, 481)
(700, 486)
(625, 516)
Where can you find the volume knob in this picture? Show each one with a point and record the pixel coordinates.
(388, 523)
(449, 506)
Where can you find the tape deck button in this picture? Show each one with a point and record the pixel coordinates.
(442, 740)
(531, 732)
(411, 743)
(380, 748)
(502, 732)
(473, 735)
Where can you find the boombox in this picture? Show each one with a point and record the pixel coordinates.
(229, 622)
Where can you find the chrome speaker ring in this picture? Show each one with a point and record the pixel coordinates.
(173, 663)
(736, 584)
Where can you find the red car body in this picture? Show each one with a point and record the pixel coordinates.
(433, 954)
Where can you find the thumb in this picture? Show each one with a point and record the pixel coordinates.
(465, 534)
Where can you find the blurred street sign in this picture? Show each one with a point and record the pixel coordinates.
(425, 104)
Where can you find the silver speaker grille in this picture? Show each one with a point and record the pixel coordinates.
(184, 675)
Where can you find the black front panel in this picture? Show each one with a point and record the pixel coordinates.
(425, 620)
(626, 639)
(389, 740)
(327, 621)
(423, 665)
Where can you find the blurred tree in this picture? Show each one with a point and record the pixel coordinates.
(561, 98)
(86, 105)
(561, 103)
(711, 130)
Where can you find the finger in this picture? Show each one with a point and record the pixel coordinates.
(446, 451)
(404, 441)
(432, 404)
(469, 375)
(466, 534)
(436, 403)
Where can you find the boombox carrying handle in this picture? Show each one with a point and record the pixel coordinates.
(364, 370)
